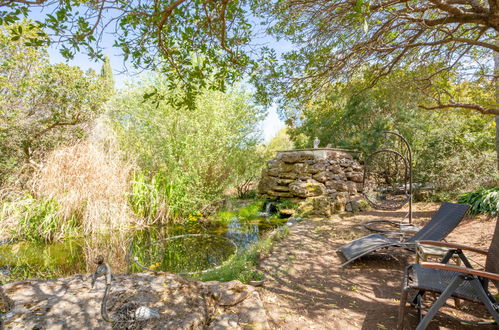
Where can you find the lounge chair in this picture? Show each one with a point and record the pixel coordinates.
(452, 281)
(448, 216)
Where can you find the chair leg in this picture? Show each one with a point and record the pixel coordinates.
(403, 302)
(440, 302)
(485, 299)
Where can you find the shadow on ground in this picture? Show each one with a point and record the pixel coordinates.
(306, 288)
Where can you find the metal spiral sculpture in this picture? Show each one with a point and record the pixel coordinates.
(129, 315)
(388, 179)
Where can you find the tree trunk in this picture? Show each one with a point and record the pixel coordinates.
(497, 133)
(496, 78)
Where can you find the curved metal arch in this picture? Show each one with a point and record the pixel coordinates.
(407, 180)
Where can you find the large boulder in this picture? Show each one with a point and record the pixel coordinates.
(71, 303)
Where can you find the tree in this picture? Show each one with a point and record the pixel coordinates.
(280, 141)
(337, 38)
(107, 76)
(41, 105)
(193, 153)
(452, 151)
(196, 43)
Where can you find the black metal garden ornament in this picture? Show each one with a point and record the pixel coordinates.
(388, 181)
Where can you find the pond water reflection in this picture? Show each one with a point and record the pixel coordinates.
(152, 248)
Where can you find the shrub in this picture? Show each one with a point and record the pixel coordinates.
(187, 156)
(482, 201)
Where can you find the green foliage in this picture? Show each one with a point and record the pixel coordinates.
(194, 154)
(242, 266)
(41, 106)
(37, 219)
(245, 213)
(155, 199)
(334, 42)
(482, 201)
(452, 150)
(201, 44)
(281, 141)
(286, 204)
(251, 163)
(247, 168)
(28, 259)
(107, 76)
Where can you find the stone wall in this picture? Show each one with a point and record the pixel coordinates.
(323, 181)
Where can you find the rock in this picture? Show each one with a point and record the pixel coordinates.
(306, 189)
(336, 169)
(281, 188)
(300, 168)
(316, 167)
(296, 157)
(322, 176)
(352, 187)
(283, 167)
(321, 206)
(355, 177)
(279, 194)
(356, 167)
(305, 206)
(339, 207)
(358, 204)
(274, 171)
(316, 177)
(272, 163)
(340, 177)
(288, 175)
(283, 182)
(339, 155)
(228, 293)
(304, 176)
(266, 183)
(348, 207)
(224, 322)
(339, 185)
(70, 303)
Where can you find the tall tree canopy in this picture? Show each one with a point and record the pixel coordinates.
(41, 105)
(196, 42)
(339, 37)
(199, 42)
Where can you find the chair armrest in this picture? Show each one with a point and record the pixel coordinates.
(462, 270)
(453, 246)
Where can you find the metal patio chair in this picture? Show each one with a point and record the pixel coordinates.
(448, 216)
(452, 281)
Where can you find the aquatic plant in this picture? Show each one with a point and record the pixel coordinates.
(243, 266)
(90, 184)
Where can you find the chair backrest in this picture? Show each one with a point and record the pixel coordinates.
(448, 216)
(492, 264)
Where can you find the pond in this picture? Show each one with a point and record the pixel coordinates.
(189, 248)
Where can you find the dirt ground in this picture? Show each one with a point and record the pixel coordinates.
(306, 288)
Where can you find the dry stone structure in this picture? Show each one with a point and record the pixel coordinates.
(323, 181)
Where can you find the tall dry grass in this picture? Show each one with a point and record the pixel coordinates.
(90, 181)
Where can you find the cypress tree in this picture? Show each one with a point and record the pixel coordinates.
(107, 75)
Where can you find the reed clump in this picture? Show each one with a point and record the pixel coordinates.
(90, 183)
